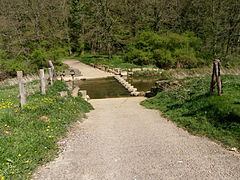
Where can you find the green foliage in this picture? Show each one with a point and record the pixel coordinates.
(55, 53)
(39, 57)
(13, 65)
(78, 47)
(115, 62)
(28, 136)
(167, 50)
(163, 58)
(3, 54)
(231, 61)
(191, 107)
(107, 27)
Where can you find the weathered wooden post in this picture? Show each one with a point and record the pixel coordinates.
(50, 76)
(53, 70)
(216, 77)
(42, 81)
(22, 92)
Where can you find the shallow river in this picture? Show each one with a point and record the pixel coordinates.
(103, 88)
(110, 88)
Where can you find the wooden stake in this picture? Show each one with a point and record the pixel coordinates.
(53, 69)
(42, 81)
(50, 76)
(216, 77)
(213, 82)
(22, 92)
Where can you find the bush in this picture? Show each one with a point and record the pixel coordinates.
(139, 57)
(167, 50)
(11, 66)
(39, 57)
(36, 58)
(55, 53)
(163, 58)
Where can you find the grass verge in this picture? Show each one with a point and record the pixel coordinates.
(28, 136)
(190, 106)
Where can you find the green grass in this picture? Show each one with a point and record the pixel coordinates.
(115, 62)
(28, 136)
(190, 106)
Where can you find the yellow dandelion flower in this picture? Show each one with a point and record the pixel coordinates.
(19, 155)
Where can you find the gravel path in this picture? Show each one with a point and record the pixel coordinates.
(122, 140)
(88, 72)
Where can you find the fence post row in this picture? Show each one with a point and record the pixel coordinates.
(22, 92)
(216, 77)
(42, 81)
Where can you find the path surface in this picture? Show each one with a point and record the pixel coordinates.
(122, 140)
(88, 72)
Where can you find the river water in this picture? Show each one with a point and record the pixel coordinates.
(111, 88)
(102, 88)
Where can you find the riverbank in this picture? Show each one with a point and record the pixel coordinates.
(191, 107)
(29, 136)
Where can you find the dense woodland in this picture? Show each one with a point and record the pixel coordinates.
(167, 33)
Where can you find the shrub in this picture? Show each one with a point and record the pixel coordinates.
(163, 58)
(39, 57)
(139, 57)
(11, 66)
(166, 50)
(55, 53)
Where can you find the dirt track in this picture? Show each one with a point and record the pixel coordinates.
(122, 140)
(88, 72)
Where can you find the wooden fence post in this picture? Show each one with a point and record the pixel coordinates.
(42, 81)
(22, 92)
(216, 77)
(50, 75)
(53, 69)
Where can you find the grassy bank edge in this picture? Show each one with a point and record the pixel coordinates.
(30, 135)
(207, 120)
